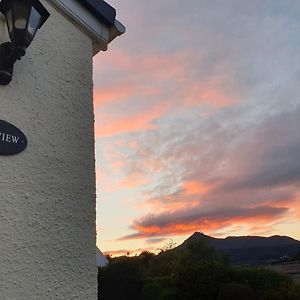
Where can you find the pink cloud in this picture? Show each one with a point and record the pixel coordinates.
(134, 180)
(108, 95)
(111, 94)
(156, 85)
(142, 120)
(158, 66)
(210, 94)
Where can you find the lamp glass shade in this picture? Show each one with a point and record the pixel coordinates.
(34, 21)
(21, 12)
(9, 20)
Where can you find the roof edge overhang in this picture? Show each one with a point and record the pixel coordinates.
(100, 31)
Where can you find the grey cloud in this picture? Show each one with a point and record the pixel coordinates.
(196, 214)
(279, 162)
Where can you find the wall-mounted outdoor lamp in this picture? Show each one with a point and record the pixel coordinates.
(23, 18)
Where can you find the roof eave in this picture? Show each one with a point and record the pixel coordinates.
(101, 33)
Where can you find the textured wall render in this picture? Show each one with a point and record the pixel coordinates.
(47, 193)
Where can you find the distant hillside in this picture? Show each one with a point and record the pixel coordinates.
(249, 249)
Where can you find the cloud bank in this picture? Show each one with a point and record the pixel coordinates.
(200, 104)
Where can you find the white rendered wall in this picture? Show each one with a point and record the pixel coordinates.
(47, 193)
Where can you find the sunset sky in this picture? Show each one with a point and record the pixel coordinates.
(198, 122)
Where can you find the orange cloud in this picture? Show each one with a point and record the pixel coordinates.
(176, 229)
(206, 223)
(109, 126)
(113, 93)
(195, 188)
(121, 92)
(131, 252)
(169, 204)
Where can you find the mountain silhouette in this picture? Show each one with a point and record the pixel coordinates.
(252, 250)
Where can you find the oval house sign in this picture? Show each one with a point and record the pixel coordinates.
(12, 139)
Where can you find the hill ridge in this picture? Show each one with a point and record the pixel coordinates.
(249, 249)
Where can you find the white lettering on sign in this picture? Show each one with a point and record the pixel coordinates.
(15, 139)
(8, 138)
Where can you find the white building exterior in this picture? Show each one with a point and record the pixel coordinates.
(101, 260)
(47, 192)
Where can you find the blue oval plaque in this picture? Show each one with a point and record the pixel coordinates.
(12, 139)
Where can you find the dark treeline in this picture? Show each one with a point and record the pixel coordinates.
(197, 272)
